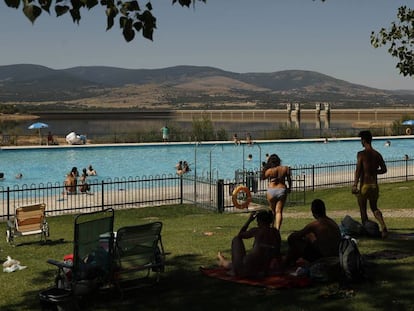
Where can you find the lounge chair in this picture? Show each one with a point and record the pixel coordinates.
(28, 220)
(89, 267)
(138, 252)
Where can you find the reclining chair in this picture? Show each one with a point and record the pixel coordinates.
(90, 265)
(28, 220)
(138, 252)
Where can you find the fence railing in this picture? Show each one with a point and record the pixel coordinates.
(342, 174)
(172, 189)
(118, 193)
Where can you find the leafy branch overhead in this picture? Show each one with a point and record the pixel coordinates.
(400, 38)
(132, 17)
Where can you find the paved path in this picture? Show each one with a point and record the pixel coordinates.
(387, 213)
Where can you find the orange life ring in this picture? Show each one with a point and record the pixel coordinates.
(243, 202)
(408, 131)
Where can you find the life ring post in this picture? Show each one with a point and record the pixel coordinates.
(241, 197)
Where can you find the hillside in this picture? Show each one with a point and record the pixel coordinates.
(182, 87)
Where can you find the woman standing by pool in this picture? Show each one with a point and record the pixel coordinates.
(277, 190)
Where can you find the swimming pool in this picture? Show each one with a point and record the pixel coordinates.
(50, 164)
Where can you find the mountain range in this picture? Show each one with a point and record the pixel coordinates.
(183, 87)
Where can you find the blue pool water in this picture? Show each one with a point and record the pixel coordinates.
(50, 164)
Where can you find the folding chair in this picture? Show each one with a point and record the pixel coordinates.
(28, 220)
(138, 252)
(90, 267)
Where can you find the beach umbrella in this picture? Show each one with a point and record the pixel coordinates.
(38, 126)
(408, 122)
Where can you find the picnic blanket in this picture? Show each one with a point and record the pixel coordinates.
(271, 281)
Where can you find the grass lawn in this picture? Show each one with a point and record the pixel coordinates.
(389, 286)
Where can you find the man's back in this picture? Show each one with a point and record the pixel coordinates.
(370, 161)
(327, 236)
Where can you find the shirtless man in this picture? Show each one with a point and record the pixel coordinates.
(369, 164)
(277, 189)
(318, 239)
(266, 246)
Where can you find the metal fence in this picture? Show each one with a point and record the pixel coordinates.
(203, 191)
(342, 174)
(116, 193)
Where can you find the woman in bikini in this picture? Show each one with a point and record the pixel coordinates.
(266, 247)
(277, 190)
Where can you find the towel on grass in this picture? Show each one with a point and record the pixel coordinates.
(271, 281)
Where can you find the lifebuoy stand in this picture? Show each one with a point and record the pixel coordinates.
(245, 200)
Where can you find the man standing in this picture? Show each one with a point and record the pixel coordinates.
(369, 164)
(165, 133)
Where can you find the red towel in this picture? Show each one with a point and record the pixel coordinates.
(271, 281)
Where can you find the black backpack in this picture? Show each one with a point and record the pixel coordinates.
(350, 260)
(371, 229)
(351, 227)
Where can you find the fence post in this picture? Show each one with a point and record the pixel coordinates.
(8, 203)
(220, 195)
(102, 194)
(313, 177)
(406, 167)
(181, 189)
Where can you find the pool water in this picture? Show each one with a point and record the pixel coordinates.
(51, 164)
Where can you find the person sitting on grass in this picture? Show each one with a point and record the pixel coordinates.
(316, 240)
(266, 246)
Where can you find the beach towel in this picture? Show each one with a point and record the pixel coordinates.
(271, 282)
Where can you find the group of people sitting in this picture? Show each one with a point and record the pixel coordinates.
(182, 167)
(71, 181)
(318, 239)
(237, 141)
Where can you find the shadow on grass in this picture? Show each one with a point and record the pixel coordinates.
(388, 286)
(48, 242)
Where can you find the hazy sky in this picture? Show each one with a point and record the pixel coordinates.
(332, 38)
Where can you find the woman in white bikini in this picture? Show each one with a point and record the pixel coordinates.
(277, 189)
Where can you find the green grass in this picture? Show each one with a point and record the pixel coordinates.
(389, 286)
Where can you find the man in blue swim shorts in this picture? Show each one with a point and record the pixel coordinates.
(369, 165)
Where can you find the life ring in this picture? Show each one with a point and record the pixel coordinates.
(408, 131)
(243, 202)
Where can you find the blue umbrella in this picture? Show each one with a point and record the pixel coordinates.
(38, 126)
(408, 122)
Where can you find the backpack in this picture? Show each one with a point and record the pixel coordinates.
(371, 229)
(350, 226)
(350, 260)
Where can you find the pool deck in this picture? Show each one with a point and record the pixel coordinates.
(219, 142)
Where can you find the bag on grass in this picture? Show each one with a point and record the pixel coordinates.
(350, 260)
(350, 226)
(371, 229)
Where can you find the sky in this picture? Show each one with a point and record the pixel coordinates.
(331, 38)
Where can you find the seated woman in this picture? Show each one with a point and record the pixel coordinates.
(266, 246)
(70, 183)
(179, 168)
(84, 186)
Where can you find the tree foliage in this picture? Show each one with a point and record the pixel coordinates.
(400, 38)
(131, 15)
